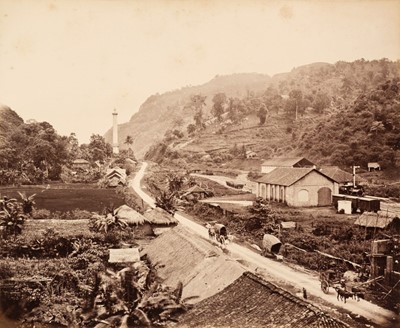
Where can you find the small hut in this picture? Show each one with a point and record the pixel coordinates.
(196, 193)
(131, 216)
(374, 166)
(382, 220)
(115, 177)
(80, 163)
(160, 220)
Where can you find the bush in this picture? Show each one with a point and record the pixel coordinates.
(41, 214)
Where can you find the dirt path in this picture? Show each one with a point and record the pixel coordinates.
(280, 273)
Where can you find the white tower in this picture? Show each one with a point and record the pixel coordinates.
(115, 132)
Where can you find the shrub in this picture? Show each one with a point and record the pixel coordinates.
(41, 214)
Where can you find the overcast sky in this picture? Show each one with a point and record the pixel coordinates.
(71, 62)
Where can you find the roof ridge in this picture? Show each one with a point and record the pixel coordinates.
(285, 293)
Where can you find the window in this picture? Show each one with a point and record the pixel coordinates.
(303, 195)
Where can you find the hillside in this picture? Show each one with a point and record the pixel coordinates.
(292, 103)
(160, 113)
(9, 120)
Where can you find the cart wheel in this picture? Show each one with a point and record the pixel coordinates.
(325, 286)
(222, 240)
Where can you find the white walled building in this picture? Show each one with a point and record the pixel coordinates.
(297, 187)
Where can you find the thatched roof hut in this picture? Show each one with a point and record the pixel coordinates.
(184, 256)
(158, 216)
(131, 216)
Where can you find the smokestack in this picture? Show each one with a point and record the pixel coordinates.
(115, 132)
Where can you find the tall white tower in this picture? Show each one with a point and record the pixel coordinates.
(115, 132)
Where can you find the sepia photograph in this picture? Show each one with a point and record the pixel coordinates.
(199, 163)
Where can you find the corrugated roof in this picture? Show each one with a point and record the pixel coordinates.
(376, 220)
(159, 216)
(286, 176)
(285, 161)
(253, 302)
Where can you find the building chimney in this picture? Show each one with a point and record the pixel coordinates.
(115, 132)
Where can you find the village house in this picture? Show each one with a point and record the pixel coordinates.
(251, 154)
(116, 177)
(299, 187)
(159, 221)
(279, 162)
(80, 163)
(196, 193)
(374, 166)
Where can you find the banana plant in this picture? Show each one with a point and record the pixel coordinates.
(12, 220)
(109, 221)
(27, 203)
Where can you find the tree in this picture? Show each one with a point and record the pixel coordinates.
(191, 128)
(262, 114)
(196, 104)
(295, 104)
(98, 148)
(129, 141)
(321, 102)
(219, 101)
(39, 144)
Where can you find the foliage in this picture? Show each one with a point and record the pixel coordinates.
(367, 132)
(98, 148)
(11, 217)
(27, 203)
(108, 222)
(262, 114)
(219, 101)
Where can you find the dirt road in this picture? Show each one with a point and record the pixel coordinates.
(280, 273)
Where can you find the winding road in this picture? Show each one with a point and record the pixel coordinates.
(279, 272)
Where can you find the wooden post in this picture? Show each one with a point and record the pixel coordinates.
(389, 269)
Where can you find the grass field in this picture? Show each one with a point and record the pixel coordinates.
(64, 198)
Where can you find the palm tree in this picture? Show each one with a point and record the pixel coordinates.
(129, 141)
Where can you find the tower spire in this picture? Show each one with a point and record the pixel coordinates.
(115, 132)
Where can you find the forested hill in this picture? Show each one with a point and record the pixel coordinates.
(366, 130)
(9, 120)
(279, 116)
(159, 113)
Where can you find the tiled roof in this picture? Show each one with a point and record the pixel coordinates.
(253, 302)
(285, 161)
(336, 174)
(286, 176)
